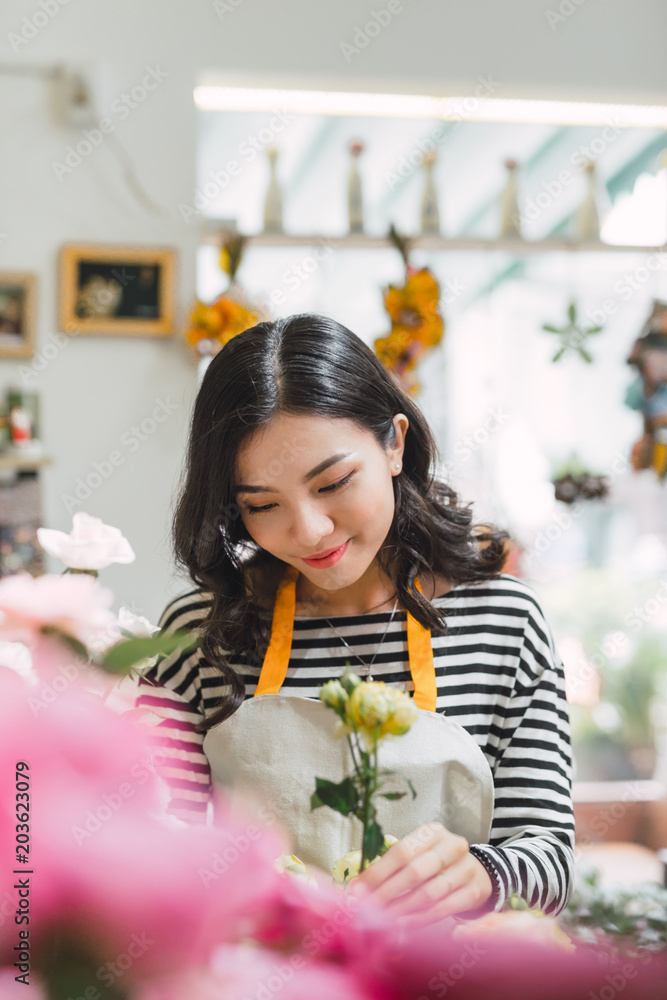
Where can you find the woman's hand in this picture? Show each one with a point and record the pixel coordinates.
(425, 877)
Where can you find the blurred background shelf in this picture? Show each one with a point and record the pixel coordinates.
(23, 463)
(363, 241)
(21, 513)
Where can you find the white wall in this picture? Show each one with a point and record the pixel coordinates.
(97, 388)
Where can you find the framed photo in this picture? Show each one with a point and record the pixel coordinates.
(17, 314)
(127, 291)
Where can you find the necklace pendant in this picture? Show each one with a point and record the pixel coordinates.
(369, 677)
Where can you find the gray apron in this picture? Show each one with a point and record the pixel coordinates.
(275, 745)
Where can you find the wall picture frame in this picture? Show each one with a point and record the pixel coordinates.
(18, 298)
(117, 290)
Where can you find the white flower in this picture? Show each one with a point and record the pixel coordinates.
(90, 545)
(136, 625)
(17, 657)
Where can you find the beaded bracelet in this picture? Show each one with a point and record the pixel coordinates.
(493, 874)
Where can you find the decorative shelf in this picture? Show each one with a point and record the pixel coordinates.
(22, 463)
(362, 241)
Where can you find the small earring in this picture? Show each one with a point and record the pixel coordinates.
(397, 468)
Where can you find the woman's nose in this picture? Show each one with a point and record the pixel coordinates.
(309, 528)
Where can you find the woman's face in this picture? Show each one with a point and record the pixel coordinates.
(298, 508)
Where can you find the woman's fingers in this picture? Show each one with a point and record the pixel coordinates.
(433, 892)
(418, 870)
(414, 860)
(425, 877)
(396, 858)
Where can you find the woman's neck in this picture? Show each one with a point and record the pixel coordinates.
(373, 591)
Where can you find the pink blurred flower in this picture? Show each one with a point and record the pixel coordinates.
(108, 865)
(90, 545)
(74, 604)
(242, 971)
(516, 926)
(17, 657)
(11, 990)
(432, 963)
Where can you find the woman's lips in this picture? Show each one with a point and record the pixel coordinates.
(329, 560)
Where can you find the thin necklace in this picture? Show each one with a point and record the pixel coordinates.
(363, 662)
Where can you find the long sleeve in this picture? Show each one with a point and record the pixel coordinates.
(172, 689)
(532, 834)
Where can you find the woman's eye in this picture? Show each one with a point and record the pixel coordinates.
(258, 510)
(325, 489)
(335, 486)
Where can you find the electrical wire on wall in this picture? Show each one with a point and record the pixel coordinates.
(73, 105)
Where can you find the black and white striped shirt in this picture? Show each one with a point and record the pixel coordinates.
(498, 675)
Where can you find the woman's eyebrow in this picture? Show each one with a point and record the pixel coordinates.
(244, 488)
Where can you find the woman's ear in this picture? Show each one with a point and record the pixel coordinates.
(401, 423)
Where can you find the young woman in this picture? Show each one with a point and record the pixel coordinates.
(316, 533)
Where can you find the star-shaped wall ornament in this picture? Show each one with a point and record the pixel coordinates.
(573, 335)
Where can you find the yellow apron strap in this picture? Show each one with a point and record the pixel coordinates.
(420, 655)
(276, 660)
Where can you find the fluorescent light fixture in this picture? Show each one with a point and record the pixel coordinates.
(468, 108)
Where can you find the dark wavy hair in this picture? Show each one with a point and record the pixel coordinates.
(312, 365)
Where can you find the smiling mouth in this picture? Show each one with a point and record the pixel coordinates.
(323, 555)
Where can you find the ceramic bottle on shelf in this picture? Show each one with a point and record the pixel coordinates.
(510, 217)
(355, 203)
(273, 205)
(587, 219)
(430, 214)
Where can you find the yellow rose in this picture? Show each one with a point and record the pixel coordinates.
(350, 862)
(333, 695)
(349, 680)
(289, 864)
(378, 710)
(347, 867)
(404, 713)
(369, 705)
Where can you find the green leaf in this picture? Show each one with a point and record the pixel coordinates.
(75, 645)
(373, 841)
(342, 797)
(558, 354)
(585, 355)
(400, 774)
(594, 329)
(572, 312)
(125, 654)
(393, 795)
(551, 329)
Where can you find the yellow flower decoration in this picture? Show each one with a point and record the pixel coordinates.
(231, 313)
(220, 321)
(416, 324)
